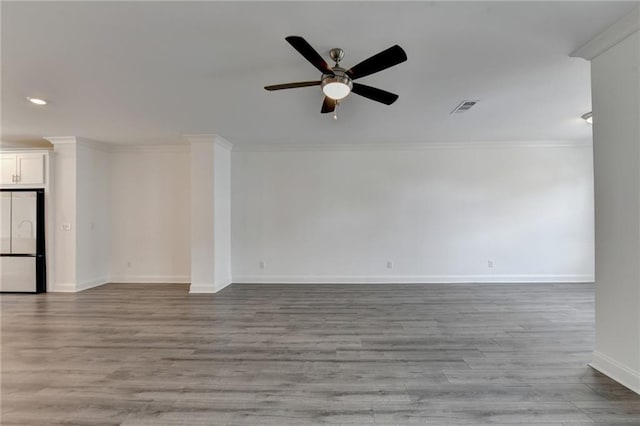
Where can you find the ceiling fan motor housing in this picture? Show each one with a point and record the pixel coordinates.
(338, 80)
(336, 54)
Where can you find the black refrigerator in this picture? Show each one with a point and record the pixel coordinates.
(22, 242)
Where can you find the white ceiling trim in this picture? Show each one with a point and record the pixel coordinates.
(124, 149)
(61, 140)
(99, 146)
(112, 148)
(613, 35)
(201, 138)
(412, 146)
(210, 138)
(26, 148)
(68, 140)
(223, 143)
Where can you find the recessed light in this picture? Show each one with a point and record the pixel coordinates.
(588, 117)
(37, 101)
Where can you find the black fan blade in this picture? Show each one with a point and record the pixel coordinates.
(383, 60)
(328, 105)
(309, 53)
(292, 85)
(374, 94)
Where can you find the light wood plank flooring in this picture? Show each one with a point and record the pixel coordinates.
(307, 354)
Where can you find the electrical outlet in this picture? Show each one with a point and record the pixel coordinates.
(490, 263)
(389, 264)
(262, 264)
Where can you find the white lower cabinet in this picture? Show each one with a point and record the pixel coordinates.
(18, 274)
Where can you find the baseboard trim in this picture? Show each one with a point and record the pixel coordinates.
(64, 288)
(152, 279)
(615, 370)
(220, 286)
(76, 287)
(208, 288)
(91, 283)
(408, 279)
(202, 289)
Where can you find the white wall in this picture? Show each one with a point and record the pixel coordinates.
(439, 214)
(93, 222)
(150, 214)
(616, 134)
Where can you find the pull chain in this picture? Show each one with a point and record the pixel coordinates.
(335, 111)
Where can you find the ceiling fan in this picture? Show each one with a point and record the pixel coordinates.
(337, 82)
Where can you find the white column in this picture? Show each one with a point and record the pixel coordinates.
(80, 220)
(210, 213)
(222, 212)
(65, 207)
(615, 84)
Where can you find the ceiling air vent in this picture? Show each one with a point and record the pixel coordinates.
(464, 106)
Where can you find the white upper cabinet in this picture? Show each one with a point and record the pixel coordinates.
(22, 169)
(30, 169)
(7, 169)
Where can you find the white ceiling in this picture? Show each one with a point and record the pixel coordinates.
(139, 72)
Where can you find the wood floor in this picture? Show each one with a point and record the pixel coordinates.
(307, 354)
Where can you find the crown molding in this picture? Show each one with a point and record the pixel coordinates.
(210, 138)
(114, 148)
(618, 31)
(34, 149)
(117, 149)
(98, 146)
(200, 138)
(412, 146)
(75, 140)
(220, 141)
(61, 140)
(26, 145)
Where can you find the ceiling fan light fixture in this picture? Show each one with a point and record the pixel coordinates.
(336, 82)
(336, 86)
